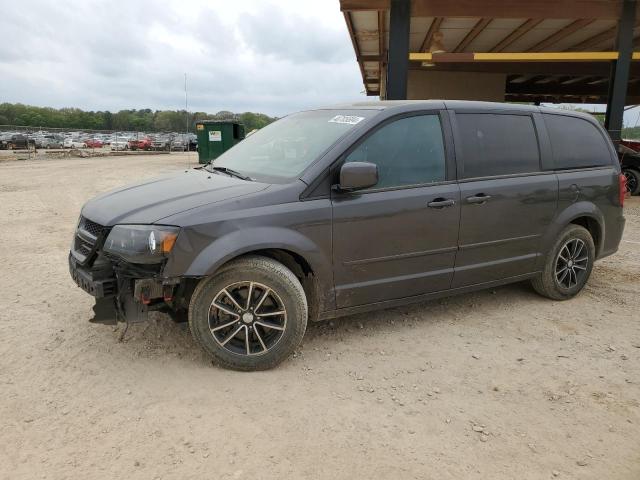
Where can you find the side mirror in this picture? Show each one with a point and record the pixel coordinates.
(358, 175)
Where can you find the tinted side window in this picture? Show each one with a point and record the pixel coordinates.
(409, 151)
(576, 143)
(497, 144)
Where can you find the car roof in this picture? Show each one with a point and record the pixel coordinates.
(410, 105)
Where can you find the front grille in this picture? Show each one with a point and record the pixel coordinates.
(86, 240)
(92, 227)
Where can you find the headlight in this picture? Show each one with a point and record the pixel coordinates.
(141, 243)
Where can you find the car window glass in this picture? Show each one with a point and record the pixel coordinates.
(409, 151)
(576, 143)
(497, 144)
(283, 149)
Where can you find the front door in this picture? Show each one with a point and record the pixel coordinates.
(507, 202)
(398, 238)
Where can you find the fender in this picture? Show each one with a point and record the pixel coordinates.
(246, 240)
(564, 218)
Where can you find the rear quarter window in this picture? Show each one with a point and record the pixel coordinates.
(497, 144)
(576, 143)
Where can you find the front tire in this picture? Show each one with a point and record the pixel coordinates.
(251, 315)
(568, 265)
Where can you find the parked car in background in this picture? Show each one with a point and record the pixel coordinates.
(48, 141)
(71, 143)
(93, 143)
(630, 163)
(140, 144)
(178, 145)
(160, 143)
(15, 141)
(351, 209)
(121, 144)
(632, 144)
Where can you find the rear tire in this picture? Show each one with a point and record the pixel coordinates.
(568, 265)
(633, 180)
(251, 315)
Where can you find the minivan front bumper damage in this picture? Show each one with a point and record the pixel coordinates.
(119, 296)
(123, 291)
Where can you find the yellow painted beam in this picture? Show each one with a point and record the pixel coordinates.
(420, 57)
(519, 57)
(546, 57)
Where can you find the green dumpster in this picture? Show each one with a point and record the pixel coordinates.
(216, 137)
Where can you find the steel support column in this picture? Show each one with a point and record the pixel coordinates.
(619, 76)
(398, 63)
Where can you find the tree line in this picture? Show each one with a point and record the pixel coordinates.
(144, 120)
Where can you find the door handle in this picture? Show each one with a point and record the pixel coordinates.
(441, 203)
(478, 199)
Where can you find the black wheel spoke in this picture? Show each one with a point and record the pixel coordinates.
(570, 266)
(229, 337)
(233, 300)
(273, 326)
(225, 309)
(247, 318)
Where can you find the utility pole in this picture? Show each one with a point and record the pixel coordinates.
(186, 103)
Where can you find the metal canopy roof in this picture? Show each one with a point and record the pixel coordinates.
(500, 27)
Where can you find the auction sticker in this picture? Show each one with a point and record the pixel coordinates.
(348, 119)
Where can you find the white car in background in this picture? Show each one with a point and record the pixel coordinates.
(71, 143)
(120, 144)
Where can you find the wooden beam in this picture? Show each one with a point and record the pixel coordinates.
(596, 69)
(466, 57)
(595, 9)
(369, 58)
(560, 34)
(354, 42)
(356, 5)
(473, 33)
(552, 88)
(596, 40)
(516, 34)
(545, 57)
(580, 79)
(541, 9)
(381, 43)
(434, 27)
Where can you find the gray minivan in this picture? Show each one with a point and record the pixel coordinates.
(352, 208)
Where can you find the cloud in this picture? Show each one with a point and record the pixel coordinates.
(268, 56)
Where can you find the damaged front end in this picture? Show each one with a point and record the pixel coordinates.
(122, 268)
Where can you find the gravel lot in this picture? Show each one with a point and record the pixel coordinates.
(499, 384)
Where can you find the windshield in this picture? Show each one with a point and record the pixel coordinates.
(283, 149)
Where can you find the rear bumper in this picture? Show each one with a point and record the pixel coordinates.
(613, 237)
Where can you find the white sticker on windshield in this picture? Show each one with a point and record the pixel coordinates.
(348, 119)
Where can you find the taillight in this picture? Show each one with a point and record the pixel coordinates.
(622, 181)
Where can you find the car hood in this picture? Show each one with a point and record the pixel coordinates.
(152, 200)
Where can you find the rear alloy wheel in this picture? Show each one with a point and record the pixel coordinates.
(572, 263)
(251, 315)
(568, 265)
(633, 180)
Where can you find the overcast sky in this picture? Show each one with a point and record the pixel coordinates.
(270, 56)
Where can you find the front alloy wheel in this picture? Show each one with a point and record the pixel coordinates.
(247, 318)
(251, 315)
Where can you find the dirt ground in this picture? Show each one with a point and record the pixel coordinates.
(500, 384)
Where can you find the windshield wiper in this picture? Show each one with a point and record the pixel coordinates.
(230, 172)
